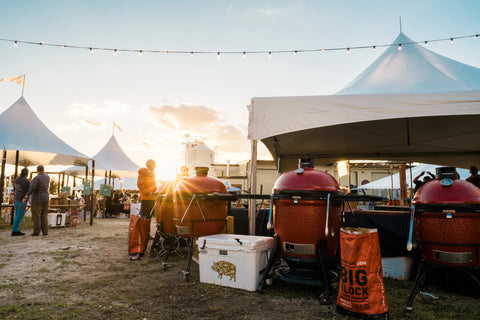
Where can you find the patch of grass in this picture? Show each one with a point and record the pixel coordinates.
(25, 224)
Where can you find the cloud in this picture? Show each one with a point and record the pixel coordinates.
(108, 108)
(205, 122)
(146, 145)
(94, 123)
(186, 117)
(269, 11)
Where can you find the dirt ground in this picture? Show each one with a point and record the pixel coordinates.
(83, 272)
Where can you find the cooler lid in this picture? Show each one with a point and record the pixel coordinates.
(234, 241)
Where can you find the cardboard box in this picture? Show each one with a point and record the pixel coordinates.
(62, 195)
(397, 267)
(233, 260)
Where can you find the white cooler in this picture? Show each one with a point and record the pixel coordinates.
(56, 219)
(233, 260)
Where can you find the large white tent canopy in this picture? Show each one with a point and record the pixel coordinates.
(22, 130)
(410, 105)
(393, 182)
(111, 159)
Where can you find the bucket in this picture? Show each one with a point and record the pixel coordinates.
(74, 216)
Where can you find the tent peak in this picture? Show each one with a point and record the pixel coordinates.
(413, 69)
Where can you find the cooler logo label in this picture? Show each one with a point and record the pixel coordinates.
(224, 268)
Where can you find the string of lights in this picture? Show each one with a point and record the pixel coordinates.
(115, 51)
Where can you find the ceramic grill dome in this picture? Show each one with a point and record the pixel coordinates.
(195, 214)
(447, 220)
(301, 204)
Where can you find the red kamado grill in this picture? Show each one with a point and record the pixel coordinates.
(195, 214)
(307, 223)
(447, 220)
(447, 224)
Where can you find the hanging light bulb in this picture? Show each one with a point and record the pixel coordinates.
(475, 36)
(140, 52)
(218, 55)
(295, 52)
(374, 48)
(42, 43)
(244, 54)
(115, 52)
(191, 54)
(91, 50)
(165, 50)
(64, 46)
(348, 50)
(426, 43)
(399, 46)
(16, 43)
(269, 54)
(451, 40)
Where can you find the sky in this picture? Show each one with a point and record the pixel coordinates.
(158, 98)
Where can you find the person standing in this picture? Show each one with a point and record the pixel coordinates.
(139, 230)
(475, 177)
(21, 187)
(39, 197)
(418, 183)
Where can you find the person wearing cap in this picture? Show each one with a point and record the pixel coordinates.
(21, 187)
(39, 197)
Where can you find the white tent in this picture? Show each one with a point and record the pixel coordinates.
(387, 183)
(111, 159)
(404, 107)
(22, 130)
(413, 69)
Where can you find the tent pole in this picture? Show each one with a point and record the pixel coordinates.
(349, 178)
(411, 183)
(391, 178)
(17, 156)
(253, 188)
(92, 204)
(2, 176)
(86, 179)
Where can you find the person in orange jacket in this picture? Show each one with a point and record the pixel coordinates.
(139, 230)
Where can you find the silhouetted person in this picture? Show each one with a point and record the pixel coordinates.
(418, 183)
(38, 191)
(475, 177)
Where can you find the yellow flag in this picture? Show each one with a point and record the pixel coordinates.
(20, 79)
(116, 126)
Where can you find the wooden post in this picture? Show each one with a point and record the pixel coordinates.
(2, 177)
(403, 184)
(86, 202)
(92, 203)
(17, 156)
